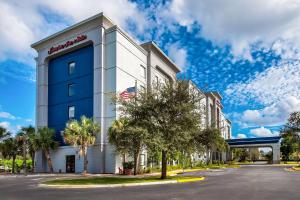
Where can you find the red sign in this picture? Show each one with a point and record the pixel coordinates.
(68, 43)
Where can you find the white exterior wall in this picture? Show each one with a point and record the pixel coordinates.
(117, 66)
(94, 30)
(123, 60)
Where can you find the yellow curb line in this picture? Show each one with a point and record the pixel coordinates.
(121, 185)
(296, 168)
(190, 180)
(107, 185)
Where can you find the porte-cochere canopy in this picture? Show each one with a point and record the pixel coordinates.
(260, 140)
(273, 142)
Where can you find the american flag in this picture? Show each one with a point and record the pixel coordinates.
(128, 93)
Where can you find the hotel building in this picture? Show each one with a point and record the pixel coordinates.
(78, 70)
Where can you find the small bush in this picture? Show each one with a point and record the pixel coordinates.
(201, 164)
(128, 165)
(18, 164)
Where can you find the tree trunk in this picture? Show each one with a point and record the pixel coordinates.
(136, 162)
(47, 154)
(33, 162)
(164, 165)
(24, 156)
(85, 161)
(124, 157)
(208, 156)
(13, 164)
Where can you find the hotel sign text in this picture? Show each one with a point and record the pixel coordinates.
(67, 44)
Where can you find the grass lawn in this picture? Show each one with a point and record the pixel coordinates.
(118, 180)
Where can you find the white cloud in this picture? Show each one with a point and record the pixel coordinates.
(24, 22)
(7, 115)
(273, 23)
(28, 120)
(269, 86)
(178, 55)
(273, 115)
(118, 10)
(263, 132)
(5, 125)
(241, 136)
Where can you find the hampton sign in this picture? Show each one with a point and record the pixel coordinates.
(67, 44)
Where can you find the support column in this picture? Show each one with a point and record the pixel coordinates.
(276, 153)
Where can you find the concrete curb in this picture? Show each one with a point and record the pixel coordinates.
(292, 169)
(106, 185)
(121, 185)
(297, 169)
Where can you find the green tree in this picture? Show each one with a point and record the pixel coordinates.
(32, 144)
(127, 139)
(117, 136)
(44, 141)
(290, 143)
(10, 149)
(3, 133)
(81, 134)
(24, 137)
(165, 117)
(212, 140)
(130, 133)
(293, 123)
(175, 118)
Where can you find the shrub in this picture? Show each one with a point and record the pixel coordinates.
(201, 164)
(18, 164)
(128, 165)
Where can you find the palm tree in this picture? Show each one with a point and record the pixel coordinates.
(45, 142)
(9, 149)
(3, 133)
(32, 145)
(24, 136)
(115, 136)
(82, 134)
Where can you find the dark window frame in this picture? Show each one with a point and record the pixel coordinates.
(71, 85)
(71, 72)
(69, 107)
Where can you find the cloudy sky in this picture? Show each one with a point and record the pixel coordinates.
(247, 50)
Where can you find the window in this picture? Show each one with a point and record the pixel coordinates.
(71, 68)
(143, 71)
(71, 89)
(71, 112)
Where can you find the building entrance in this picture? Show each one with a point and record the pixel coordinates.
(70, 164)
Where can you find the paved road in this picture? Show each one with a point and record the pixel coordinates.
(248, 182)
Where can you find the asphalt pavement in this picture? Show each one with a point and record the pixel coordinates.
(248, 182)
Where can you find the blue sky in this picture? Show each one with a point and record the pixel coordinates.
(247, 50)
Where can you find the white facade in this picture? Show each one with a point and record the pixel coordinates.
(215, 116)
(119, 62)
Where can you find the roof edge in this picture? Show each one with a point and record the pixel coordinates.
(153, 44)
(70, 28)
(127, 36)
